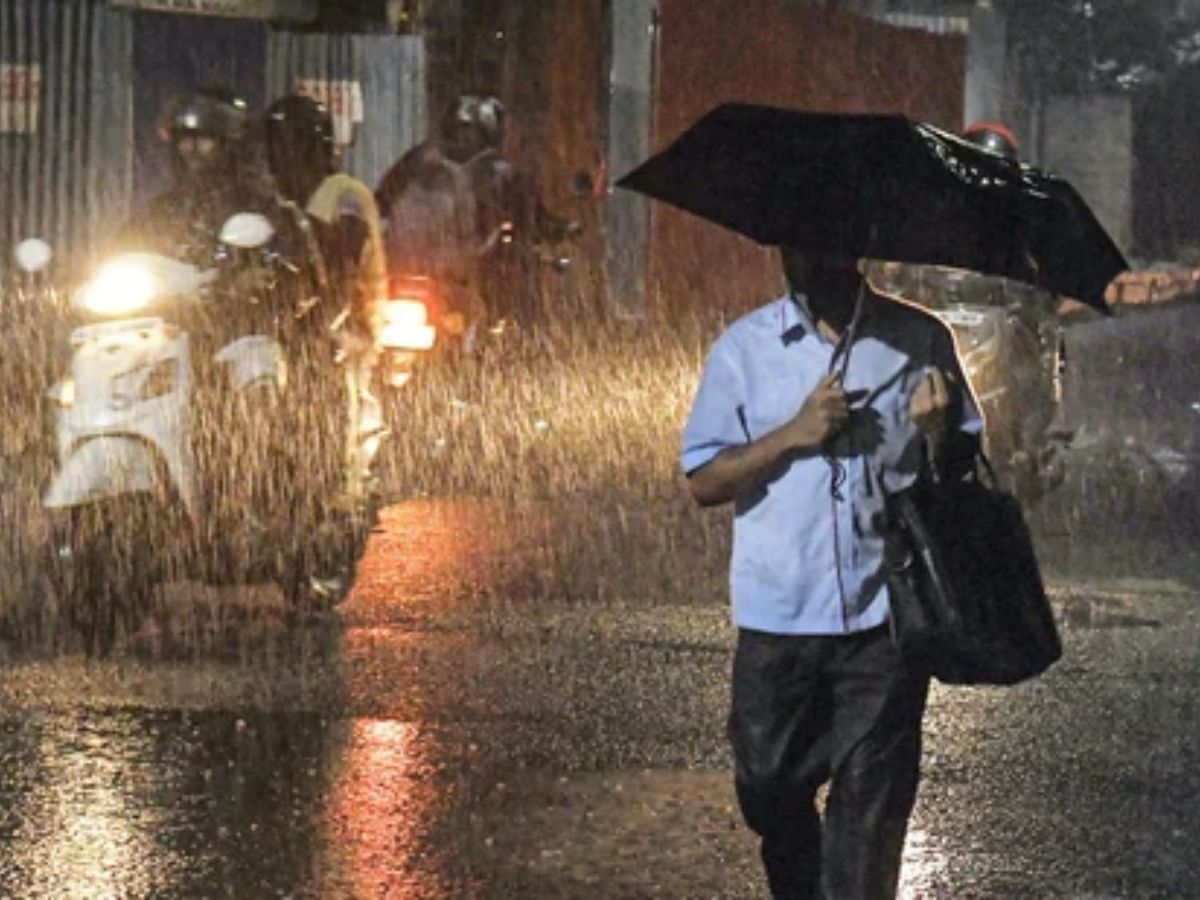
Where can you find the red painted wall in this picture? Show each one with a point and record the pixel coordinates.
(785, 54)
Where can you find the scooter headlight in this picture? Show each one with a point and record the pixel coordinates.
(121, 289)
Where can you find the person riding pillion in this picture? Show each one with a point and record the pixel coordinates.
(302, 157)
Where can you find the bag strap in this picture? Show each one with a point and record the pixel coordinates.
(928, 474)
(980, 456)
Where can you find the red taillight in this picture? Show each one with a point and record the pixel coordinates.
(416, 287)
(420, 289)
(406, 325)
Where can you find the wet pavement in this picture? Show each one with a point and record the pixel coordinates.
(456, 737)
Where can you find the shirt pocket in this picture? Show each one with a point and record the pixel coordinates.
(768, 410)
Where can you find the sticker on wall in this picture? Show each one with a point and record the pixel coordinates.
(20, 99)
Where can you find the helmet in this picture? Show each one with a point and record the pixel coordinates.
(484, 113)
(995, 137)
(301, 127)
(299, 130)
(209, 112)
(213, 113)
(299, 138)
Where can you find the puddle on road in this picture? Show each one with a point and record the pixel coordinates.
(131, 778)
(427, 554)
(1093, 615)
(141, 804)
(211, 804)
(130, 795)
(648, 833)
(1085, 609)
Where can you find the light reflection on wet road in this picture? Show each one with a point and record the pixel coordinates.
(459, 740)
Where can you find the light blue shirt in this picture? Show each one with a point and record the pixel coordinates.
(806, 560)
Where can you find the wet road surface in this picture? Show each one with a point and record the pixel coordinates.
(457, 739)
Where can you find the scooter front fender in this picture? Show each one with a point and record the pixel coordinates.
(103, 467)
(254, 359)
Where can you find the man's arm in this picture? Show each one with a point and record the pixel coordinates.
(944, 408)
(743, 468)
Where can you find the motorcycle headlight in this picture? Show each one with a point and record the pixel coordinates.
(120, 289)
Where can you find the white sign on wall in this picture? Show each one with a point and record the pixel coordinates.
(290, 10)
(343, 99)
(20, 99)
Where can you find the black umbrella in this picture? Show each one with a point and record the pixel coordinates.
(882, 187)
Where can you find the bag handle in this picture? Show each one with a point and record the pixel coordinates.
(928, 473)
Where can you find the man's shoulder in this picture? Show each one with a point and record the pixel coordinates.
(749, 330)
(745, 333)
(761, 319)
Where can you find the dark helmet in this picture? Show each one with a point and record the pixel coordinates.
(209, 112)
(483, 113)
(299, 128)
(298, 133)
(995, 137)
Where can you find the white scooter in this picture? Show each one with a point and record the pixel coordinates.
(174, 456)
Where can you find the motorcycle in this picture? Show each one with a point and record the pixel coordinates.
(413, 316)
(434, 312)
(176, 430)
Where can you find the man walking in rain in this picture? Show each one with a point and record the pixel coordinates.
(808, 409)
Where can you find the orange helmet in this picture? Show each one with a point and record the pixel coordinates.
(995, 137)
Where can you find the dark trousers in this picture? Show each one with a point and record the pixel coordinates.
(811, 709)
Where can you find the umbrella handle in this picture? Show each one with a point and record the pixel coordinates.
(841, 359)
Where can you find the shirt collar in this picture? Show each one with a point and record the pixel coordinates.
(795, 320)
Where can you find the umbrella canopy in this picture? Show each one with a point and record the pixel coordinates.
(882, 187)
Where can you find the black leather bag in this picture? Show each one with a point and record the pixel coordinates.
(967, 597)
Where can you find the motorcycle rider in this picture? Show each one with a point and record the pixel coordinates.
(456, 200)
(208, 135)
(429, 210)
(302, 157)
(206, 131)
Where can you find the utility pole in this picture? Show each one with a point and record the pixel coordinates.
(987, 59)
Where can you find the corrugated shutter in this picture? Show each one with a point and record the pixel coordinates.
(391, 72)
(65, 175)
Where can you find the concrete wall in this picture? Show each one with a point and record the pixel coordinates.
(987, 62)
(1088, 140)
(630, 127)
